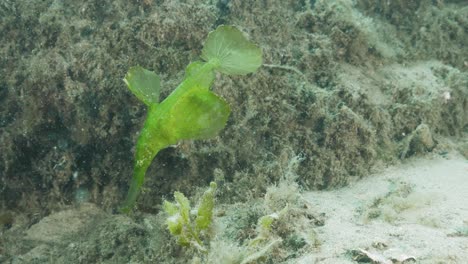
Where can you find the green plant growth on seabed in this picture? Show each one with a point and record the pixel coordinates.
(191, 111)
(191, 227)
(181, 223)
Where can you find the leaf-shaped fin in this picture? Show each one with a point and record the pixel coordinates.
(144, 84)
(198, 114)
(228, 47)
(193, 68)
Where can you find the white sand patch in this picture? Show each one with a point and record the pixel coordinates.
(416, 209)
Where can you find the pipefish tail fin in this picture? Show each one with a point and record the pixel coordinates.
(231, 51)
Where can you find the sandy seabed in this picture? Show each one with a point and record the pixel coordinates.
(415, 210)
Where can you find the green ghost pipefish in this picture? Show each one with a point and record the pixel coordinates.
(191, 111)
